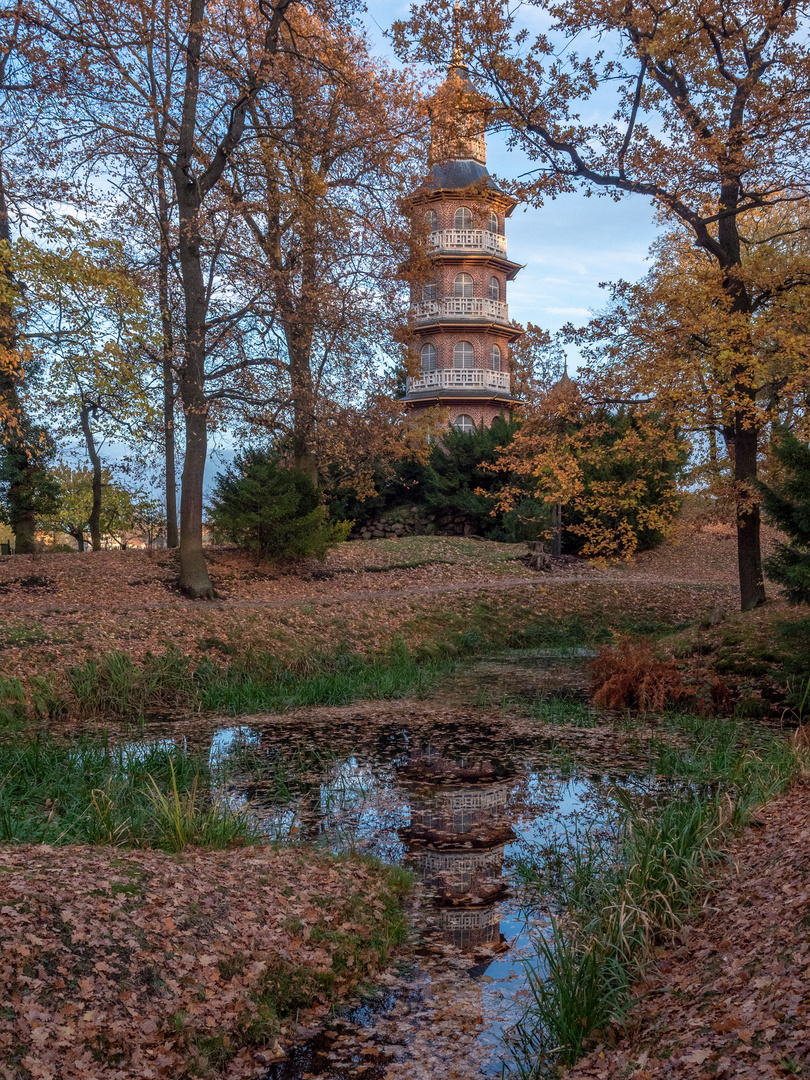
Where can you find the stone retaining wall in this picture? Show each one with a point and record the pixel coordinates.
(414, 521)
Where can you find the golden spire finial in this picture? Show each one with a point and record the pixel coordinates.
(457, 60)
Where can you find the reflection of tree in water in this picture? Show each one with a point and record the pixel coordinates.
(456, 840)
(295, 775)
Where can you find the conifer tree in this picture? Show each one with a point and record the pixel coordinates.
(275, 512)
(787, 506)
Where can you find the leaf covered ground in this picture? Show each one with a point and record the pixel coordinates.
(140, 964)
(63, 608)
(731, 995)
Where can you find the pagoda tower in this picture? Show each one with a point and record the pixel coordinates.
(459, 316)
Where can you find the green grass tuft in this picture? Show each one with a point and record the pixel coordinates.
(623, 890)
(88, 791)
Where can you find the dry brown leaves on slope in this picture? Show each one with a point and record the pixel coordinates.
(128, 578)
(700, 550)
(734, 999)
(122, 965)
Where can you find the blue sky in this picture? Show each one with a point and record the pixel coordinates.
(569, 245)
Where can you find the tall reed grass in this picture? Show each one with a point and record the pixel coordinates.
(114, 687)
(615, 896)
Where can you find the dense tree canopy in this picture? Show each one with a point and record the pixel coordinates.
(252, 154)
(200, 233)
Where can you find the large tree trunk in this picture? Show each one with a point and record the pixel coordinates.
(299, 328)
(303, 395)
(90, 442)
(746, 435)
(172, 533)
(20, 463)
(22, 510)
(749, 555)
(193, 180)
(194, 579)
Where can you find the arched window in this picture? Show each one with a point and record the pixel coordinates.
(492, 224)
(464, 423)
(463, 355)
(432, 219)
(428, 357)
(463, 285)
(495, 358)
(494, 289)
(462, 219)
(429, 291)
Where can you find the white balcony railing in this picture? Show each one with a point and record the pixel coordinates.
(469, 307)
(475, 240)
(461, 379)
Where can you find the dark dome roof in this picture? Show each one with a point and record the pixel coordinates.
(463, 173)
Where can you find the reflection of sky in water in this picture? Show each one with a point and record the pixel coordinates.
(570, 803)
(224, 739)
(359, 801)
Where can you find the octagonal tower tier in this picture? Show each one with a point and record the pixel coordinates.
(459, 315)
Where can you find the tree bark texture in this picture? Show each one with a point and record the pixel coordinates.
(167, 331)
(194, 579)
(191, 186)
(23, 517)
(303, 395)
(20, 462)
(94, 522)
(749, 554)
(746, 434)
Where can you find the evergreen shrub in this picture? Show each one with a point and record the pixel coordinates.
(654, 481)
(787, 506)
(459, 476)
(275, 512)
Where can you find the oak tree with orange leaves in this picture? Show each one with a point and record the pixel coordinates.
(317, 186)
(666, 339)
(710, 120)
(609, 474)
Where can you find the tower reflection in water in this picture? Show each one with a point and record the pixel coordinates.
(456, 840)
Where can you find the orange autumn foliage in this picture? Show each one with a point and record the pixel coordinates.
(710, 121)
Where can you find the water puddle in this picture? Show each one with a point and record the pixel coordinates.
(462, 821)
(460, 794)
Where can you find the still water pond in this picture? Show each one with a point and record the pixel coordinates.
(462, 793)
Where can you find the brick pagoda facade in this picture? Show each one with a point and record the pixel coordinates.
(459, 315)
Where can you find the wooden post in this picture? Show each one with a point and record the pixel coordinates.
(556, 530)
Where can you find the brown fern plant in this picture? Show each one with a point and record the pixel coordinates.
(630, 676)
